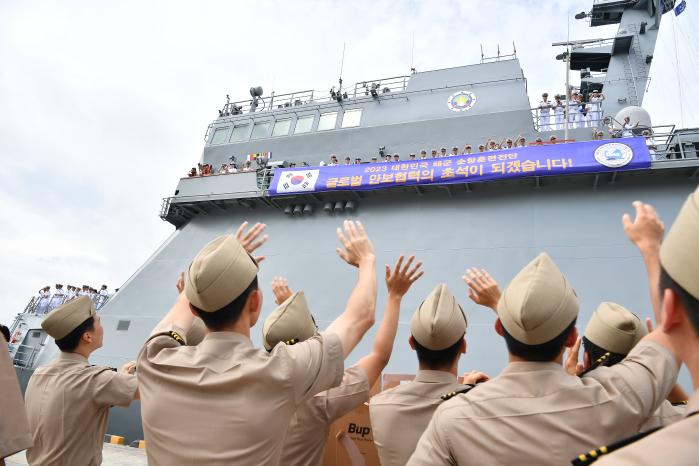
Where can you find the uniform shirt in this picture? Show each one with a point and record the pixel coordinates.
(559, 107)
(400, 415)
(545, 106)
(68, 403)
(224, 401)
(627, 131)
(535, 413)
(14, 427)
(308, 430)
(673, 446)
(665, 415)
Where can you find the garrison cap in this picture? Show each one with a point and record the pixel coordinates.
(219, 274)
(197, 332)
(66, 318)
(292, 320)
(679, 254)
(614, 328)
(439, 322)
(539, 303)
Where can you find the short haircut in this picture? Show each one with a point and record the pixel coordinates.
(690, 303)
(596, 352)
(71, 341)
(544, 352)
(438, 359)
(5, 332)
(228, 314)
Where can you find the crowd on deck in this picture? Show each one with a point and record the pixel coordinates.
(206, 169)
(581, 113)
(47, 300)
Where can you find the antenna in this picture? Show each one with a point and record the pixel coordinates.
(342, 65)
(498, 51)
(514, 48)
(412, 55)
(482, 55)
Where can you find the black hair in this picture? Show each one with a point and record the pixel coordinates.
(438, 359)
(71, 341)
(229, 313)
(596, 352)
(544, 352)
(5, 332)
(690, 303)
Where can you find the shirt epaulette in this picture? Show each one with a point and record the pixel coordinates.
(593, 455)
(172, 334)
(293, 341)
(601, 361)
(680, 403)
(450, 395)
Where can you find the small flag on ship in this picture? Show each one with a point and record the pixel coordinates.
(680, 7)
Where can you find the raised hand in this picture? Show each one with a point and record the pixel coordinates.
(250, 240)
(129, 367)
(474, 377)
(357, 246)
(180, 283)
(646, 231)
(399, 280)
(482, 289)
(572, 365)
(281, 290)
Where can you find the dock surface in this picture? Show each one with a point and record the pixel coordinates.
(112, 455)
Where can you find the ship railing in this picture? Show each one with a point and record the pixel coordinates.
(381, 86)
(666, 144)
(41, 306)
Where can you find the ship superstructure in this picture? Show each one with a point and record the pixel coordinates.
(498, 225)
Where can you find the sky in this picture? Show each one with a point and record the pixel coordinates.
(104, 105)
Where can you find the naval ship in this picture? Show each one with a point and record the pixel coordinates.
(566, 199)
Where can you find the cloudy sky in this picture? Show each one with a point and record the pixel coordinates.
(103, 105)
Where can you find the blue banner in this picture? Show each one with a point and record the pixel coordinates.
(517, 162)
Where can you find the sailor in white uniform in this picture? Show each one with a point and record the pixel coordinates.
(559, 112)
(627, 128)
(573, 110)
(42, 306)
(582, 119)
(595, 112)
(545, 113)
(58, 297)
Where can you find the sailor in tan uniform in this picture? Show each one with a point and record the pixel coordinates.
(15, 434)
(534, 411)
(677, 444)
(224, 401)
(400, 415)
(292, 322)
(609, 336)
(68, 400)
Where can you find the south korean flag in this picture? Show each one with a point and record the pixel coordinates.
(297, 181)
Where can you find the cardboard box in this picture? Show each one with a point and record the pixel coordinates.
(350, 442)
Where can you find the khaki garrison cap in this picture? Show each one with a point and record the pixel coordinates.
(679, 254)
(538, 304)
(219, 274)
(614, 328)
(66, 318)
(292, 320)
(439, 322)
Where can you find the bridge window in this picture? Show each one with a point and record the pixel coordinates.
(281, 127)
(260, 130)
(351, 118)
(239, 133)
(304, 124)
(327, 121)
(219, 136)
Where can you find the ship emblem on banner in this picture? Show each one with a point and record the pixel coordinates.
(461, 101)
(614, 154)
(297, 181)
